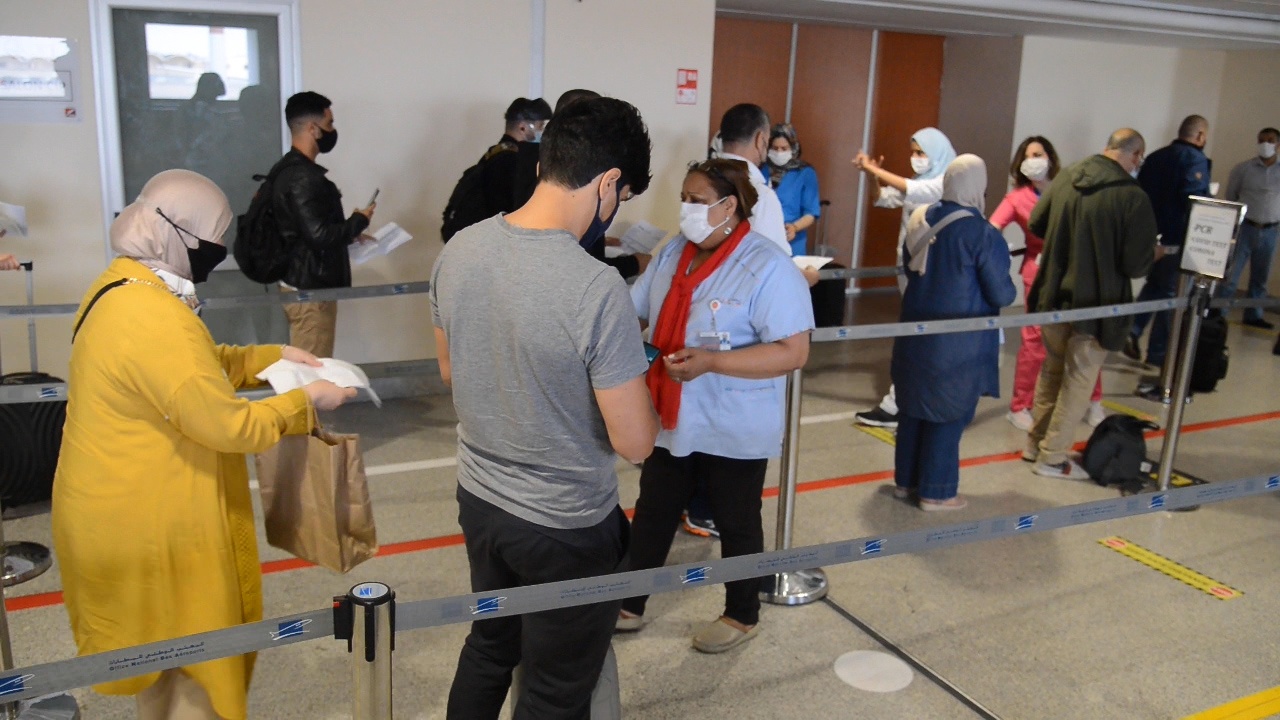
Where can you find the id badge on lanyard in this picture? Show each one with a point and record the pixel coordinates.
(713, 339)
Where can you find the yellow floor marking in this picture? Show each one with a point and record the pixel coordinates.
(1255, 707)
(1174, 570)
(882, 434)
(1114, 406)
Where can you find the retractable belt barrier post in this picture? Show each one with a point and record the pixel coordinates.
(366, 618)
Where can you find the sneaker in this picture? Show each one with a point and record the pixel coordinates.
(1096, 415)
(1021, 419)
(1030, 450)
(1065, 470)
(1131, 349)
(627, 622)
(718, 636)
(955, 503)
(1259, 323)
(901, 493)
(877, 417)
(702, 527)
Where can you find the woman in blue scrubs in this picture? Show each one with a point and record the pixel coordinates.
(796, 183)
(731, 314)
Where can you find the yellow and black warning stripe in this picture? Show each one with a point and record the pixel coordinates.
(1175, 570)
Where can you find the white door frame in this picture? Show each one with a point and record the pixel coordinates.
(104, 77)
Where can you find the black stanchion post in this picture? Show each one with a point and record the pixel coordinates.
(366, 618)
(803, 586)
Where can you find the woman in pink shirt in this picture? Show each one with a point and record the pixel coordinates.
(1035, 164)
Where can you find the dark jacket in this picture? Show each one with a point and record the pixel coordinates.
(1169, 176)
(308, 211)
(498, 179)
(939, 378)
(1099, 232)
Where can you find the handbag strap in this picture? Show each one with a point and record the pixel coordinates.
(919, 243)
(93, 301)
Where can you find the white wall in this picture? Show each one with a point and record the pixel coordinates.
(419, 89)
(632, 50)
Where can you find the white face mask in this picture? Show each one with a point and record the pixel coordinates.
(693, 221)
(920, 165)
(1134, 173)
(1035, 168)
(1266, 150)
(780, 157)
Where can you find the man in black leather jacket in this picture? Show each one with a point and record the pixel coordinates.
(308, 212)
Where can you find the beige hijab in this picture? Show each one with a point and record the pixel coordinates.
(964, 183)
(191, 201)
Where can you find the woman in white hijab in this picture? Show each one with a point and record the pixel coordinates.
(152, 518)
(957, 266)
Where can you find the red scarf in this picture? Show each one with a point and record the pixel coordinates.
(673, 320)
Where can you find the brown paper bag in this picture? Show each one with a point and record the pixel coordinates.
(315, 499)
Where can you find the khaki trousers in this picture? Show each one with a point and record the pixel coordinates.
(1071, 364)
(312, 326)
(175, 696)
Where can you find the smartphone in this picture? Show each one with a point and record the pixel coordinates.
(374, 199)
(651, 352)
(1172, 249)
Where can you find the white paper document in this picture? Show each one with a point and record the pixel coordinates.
(13, 220)
(285, 375)
(387, 238)
(641, 238)
(810, 261)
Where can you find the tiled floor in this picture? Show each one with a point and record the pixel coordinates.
(1051, 625)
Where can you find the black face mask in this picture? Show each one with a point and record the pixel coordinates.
(328, 138)
(595, 233)
(203, 258)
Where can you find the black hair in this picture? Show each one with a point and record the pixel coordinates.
(1269, 131)
(741, 123)
(303, 107)
(526, 110)
(570, 96)
(591, 136)
(729, 178)
(1021, 180)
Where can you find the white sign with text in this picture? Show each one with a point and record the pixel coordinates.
(1211, 230)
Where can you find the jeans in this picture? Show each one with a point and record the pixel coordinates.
(1255, 247)
(927, 456)
(1162, 283)
(561, 651)
(733, 487)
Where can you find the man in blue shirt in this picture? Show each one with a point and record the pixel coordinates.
(1170, 176)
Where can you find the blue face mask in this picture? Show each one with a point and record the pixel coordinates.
(595, 233)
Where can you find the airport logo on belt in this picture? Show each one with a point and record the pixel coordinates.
(1026, 522)
(694, 575)
(14, 684)
(872, 547)
(1158, 501)
(292, 628)
(485, 606)
(1273, 482)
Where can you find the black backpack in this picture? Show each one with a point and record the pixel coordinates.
(1210, 364)
(466, 205)
(260, 249)
(1116, 450)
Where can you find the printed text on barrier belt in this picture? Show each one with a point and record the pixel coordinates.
(37, 680)
(936, 327)
(266, 298)
(1267, 302)
(858, 273)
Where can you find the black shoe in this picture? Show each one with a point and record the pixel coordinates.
(1131, 349)
(1259, 323)
(877, 417)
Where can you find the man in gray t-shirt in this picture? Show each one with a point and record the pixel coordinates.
(541, 345)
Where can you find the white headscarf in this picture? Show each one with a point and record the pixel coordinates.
(190, 201)
(965, 183)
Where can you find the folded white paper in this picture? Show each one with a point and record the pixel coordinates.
(641, 238)
(286, 375)
(810, 261)
(387, 238)
(13, 219)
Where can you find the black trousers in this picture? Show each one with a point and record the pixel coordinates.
(732, 486)
(560, 650)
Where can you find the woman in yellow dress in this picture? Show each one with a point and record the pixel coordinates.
(152, 519)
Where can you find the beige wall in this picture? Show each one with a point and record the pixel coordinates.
(419, 90)
(632, 50)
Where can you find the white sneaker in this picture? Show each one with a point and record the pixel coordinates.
(1021, 419)
(1096, 415)
(1066, 470)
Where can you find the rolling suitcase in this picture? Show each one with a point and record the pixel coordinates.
(30, 432)
(828, 296)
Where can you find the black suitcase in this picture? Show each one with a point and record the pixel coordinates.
(828, 296)
(30, 432)
(1211, 360)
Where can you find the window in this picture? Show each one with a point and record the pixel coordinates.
(179, 55)
(28, 68)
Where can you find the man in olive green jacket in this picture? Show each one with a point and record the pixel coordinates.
(1099, 233)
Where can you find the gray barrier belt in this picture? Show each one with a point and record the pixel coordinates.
(858, 273)
(1245, 303)
(37, 680)
(266, 298)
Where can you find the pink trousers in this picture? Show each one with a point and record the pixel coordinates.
(1031, 355)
